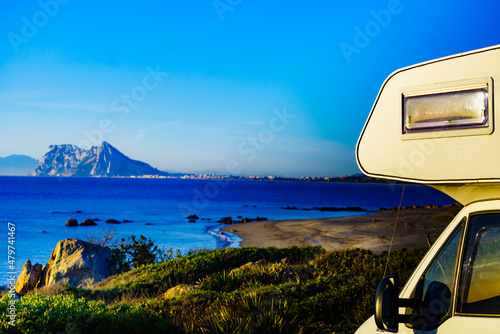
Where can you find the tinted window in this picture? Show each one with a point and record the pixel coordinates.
(433, 293)
(480, 281)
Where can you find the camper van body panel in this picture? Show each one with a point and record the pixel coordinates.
(436, 156)
(470, 192)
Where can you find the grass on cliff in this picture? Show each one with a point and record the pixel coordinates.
(292, 290)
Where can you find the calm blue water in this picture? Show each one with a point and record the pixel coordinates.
(40, 207)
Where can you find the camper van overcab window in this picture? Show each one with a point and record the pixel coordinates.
(466, 107)
(435, 124)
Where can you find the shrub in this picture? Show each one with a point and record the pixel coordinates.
(135, 253)
(58, 314)
(251, 314)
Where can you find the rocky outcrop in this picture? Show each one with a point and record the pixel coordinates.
(101, 161)
(88, 222)
(28, 279)
(72, 222)
(76, 263)
(113, 221)
(73, 262)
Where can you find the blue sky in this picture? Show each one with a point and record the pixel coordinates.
(259, 87)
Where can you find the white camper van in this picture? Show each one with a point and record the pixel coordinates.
(435, 124)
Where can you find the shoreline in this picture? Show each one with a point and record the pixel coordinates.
(372, 231)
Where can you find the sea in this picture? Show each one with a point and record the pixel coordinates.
(34, 210)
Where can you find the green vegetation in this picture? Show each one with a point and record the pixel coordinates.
(292, 290)
(66, 314)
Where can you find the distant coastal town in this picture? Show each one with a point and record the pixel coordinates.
(357, 178)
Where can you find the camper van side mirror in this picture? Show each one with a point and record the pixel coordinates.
(387, 304)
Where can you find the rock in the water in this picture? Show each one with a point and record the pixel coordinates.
(193, 217)
(113, 221)
(76, 263)
(72, 222)
(28, 279)
(226, 220)
(88, 222)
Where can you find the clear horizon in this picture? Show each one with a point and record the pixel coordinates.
(199, 86)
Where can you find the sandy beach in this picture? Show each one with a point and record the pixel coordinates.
(371, 231)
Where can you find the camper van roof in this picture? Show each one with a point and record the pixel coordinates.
(434, 123)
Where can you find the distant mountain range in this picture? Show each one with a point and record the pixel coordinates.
(17, 165)
(99, 161)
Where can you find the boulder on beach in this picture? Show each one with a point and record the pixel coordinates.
(113, 221)
(76, 263)
(88, 222)
(72, 222)
(28, 279)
